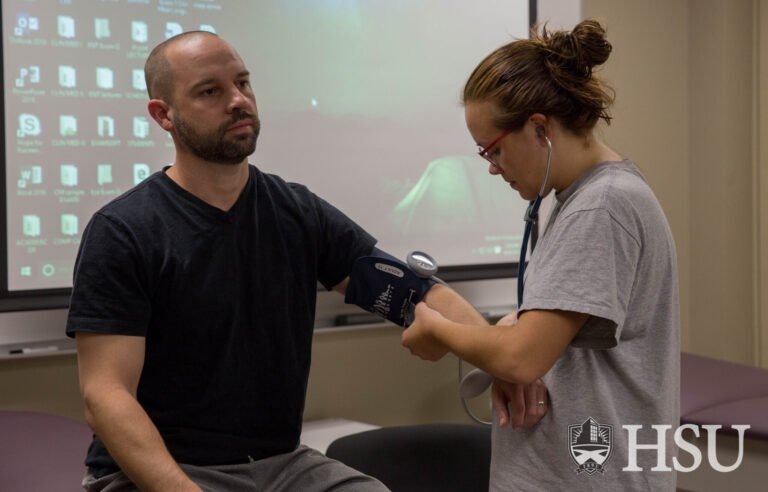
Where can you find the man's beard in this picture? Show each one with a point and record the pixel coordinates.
(216, 146)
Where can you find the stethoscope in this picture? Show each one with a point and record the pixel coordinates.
(531, 218)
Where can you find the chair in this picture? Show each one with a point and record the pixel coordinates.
(41, 453)
(420, 458)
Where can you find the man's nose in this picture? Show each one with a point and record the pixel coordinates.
(239, 100)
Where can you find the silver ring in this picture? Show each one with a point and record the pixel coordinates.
(541, 402)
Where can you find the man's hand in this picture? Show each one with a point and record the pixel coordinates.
(524, 405)
(419, 338)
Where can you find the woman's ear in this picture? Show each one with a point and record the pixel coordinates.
(539, 122)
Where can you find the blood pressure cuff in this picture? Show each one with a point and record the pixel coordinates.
(387, 287)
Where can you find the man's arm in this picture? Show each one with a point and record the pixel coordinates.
(442, 299)
(109, 368)
(452, 306)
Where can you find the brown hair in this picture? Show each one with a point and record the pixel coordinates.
(550, 73)
(157, 69)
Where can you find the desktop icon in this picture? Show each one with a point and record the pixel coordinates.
(30, 225)
(67, 76)
(172, 29)
(67, 125)
(140, 172)
(69, 225)
(69, 175)
(66, 26)
(25, 271)
(29, 74)
(140, 127)
(105, 126)
(25, 23)
(104, 174)
(29, 124)
(138, 82)
(101, 28)
(30, 175)
(105, 79)
(139, 32)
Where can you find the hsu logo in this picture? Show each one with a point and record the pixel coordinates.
(590, 444)
(690, 448)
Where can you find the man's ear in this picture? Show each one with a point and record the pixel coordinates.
(161, 113)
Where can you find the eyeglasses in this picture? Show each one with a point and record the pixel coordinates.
(484, 152)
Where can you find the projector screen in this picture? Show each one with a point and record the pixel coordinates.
(359, 100)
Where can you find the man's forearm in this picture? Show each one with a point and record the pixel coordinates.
(135, 444)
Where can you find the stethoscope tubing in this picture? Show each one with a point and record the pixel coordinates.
(531, 218)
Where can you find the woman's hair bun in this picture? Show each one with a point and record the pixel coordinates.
(549, 73)
(578, 51)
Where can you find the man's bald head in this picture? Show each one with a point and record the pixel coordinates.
(158, 72)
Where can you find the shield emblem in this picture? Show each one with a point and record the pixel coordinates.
(589, 445)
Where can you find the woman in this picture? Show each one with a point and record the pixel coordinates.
(599, 319)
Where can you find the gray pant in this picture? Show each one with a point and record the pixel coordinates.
(302, 470)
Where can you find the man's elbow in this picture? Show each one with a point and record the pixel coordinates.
(90, 418)
(92, 405)
(99, 402)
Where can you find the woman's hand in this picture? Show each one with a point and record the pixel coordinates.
(524, 405)
(420, 338)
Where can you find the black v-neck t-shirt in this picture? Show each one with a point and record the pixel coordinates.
(226, 302)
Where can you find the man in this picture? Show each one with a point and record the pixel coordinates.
(194, 296)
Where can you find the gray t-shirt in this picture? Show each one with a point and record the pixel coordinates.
(607, 251)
